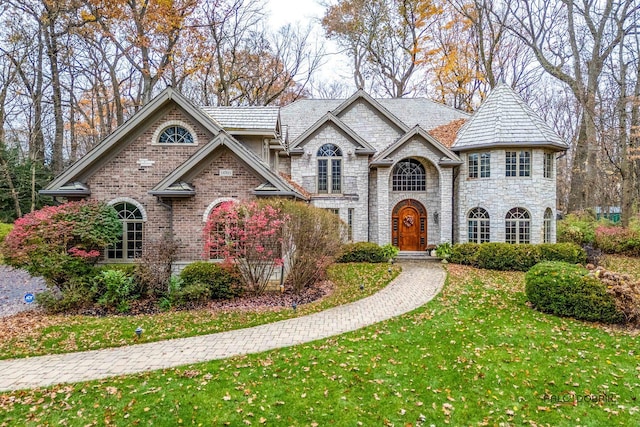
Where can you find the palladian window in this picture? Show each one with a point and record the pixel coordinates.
(130, 244)
(517, 226)
(329, 169)
(409, 175)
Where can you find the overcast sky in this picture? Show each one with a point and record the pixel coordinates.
(303, 12)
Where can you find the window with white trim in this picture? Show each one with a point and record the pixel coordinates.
(479, 165)
(546, 225)
(130, 244)
(478, 226)
(329, 169)
(518, 163)
(175, 134)
(517, 226)
(548, 162)
(409, 175)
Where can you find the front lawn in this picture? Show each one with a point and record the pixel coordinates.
(476, 355)
(32, 334)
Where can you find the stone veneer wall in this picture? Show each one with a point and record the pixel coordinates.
(498, 194)
(355, 179)
(437, 198)
(370, 124)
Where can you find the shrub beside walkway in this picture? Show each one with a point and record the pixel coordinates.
(416, 285)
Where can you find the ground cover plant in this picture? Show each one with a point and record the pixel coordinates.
(33, 333)
(476, 355)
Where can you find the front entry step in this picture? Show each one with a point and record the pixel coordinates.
(415, 256)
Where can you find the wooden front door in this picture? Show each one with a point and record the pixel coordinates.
(409, 226)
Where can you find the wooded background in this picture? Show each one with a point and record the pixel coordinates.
(71, 71)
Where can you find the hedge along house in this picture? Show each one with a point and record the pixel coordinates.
(397, 171)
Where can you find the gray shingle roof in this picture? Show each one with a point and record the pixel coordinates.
(303, 113)
(505, 119)
(245, 118)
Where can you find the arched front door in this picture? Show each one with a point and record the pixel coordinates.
(409, 226)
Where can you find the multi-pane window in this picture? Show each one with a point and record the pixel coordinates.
(175, 135)
(548, 165)
(517, 226)
(409, 175)
(546, 225)
(479, 165)
(329, 169)
(478, 230)
(518, 163)
(130, 244)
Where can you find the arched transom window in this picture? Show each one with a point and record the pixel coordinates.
(175, 134)
(517, 226)
(546, 225)
(130, 244)
(409, 175)
(479, 230)
(329, 169)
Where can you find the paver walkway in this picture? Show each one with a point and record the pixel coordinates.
(417, 284)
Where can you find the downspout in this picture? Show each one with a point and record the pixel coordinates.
(454, 176)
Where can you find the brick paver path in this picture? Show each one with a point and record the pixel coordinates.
(417, 284)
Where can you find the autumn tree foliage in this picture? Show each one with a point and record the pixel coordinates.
(60, 242)
(260, 237)
(249, 236)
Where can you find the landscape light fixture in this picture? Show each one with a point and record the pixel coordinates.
(138, 331)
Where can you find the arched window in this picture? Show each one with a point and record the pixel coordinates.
(517, 226)
(329, 169)
(546, 225)
(175, 134)
(409, 175)
(130, 245)
(478, 231)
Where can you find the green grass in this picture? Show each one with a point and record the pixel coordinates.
(476, 355)
(32, 335)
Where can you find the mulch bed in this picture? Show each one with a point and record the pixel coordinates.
(272, 300)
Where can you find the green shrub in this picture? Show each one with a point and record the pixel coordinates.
(567, 290)
(62, 242)
(465, 253)
(78, 294)
(4, 230)
(194, 293)
(618, 240)
(567, 252)
(579, 228)
(223, 282)
(115, 289)
(506, 256)
(390, 251)
(363, 252)
(444, 250)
